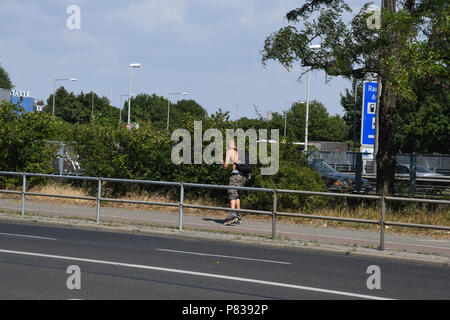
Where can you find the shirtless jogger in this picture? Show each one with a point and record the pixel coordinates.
(237, 178)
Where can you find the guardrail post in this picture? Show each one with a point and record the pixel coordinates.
(180, 219)
(24, 190)
(382, 221)
(274, 215)
(358, 171)
(412, 173)
(61, 159)
(99, 195)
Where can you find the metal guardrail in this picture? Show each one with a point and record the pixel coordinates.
(274, 212)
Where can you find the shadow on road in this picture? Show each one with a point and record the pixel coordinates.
(219, 221)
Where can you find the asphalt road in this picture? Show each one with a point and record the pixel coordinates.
(34, 262)
(293, 231)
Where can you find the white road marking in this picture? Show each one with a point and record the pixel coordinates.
(223, 256)
(200, 274)
(26, 236)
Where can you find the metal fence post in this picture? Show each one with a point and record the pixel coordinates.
(274, 215)
(24, 189)
(99, 195)
(358, 171)
(61, 159)
(180, 220)
(382, 221)
(412, 173)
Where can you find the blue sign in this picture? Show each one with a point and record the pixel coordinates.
(26, 102)
(369, 107)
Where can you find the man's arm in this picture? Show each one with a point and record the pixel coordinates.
(227, 158)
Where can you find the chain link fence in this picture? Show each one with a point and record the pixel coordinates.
(416, 174)
(346, 161)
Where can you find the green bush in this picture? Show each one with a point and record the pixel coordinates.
(23, 137)
(293, 174)
(145, 154)
(140, 154)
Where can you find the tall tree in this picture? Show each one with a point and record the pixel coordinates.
(153, 108)
(351, 101)
(411, 43)
(5, 81)
(322, 126)
(67, 107)
(179, 110)
(423, 125)
(98, 108)
(82, 108)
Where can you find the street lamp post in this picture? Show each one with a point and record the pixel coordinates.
(307, 112)
(168, 106)
(314, 47)
(121, 106)
(54, 90)
(131, 66)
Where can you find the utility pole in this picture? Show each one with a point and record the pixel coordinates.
(355, 92)
(92, 106)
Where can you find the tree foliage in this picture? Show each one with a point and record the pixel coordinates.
(153, 108)
(82, 108)
(5, 81)
(423, 125)
(23, 137)
(411, 45)
(145, 154)
(352, 111)
(322, 126)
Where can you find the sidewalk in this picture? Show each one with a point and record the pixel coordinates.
(212, 226)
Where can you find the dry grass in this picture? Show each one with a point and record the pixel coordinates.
(412, 213)
(67, 190)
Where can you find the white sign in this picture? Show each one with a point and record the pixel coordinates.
(20, 93)
(367, 152)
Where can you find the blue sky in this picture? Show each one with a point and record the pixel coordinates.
(207, 48)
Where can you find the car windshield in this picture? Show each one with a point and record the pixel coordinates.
(401, 169)
(322, 166)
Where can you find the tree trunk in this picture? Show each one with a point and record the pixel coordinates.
(385, 156)
(386, 153)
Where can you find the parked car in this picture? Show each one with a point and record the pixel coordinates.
(337, 181)
(421, 171)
